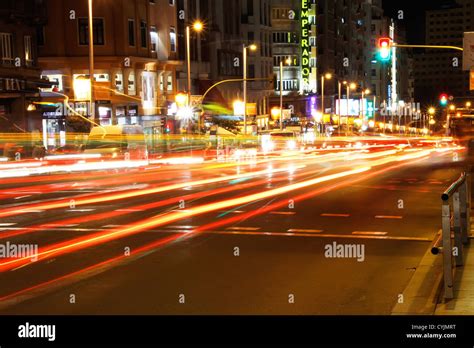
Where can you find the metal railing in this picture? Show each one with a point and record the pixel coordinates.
(456, 222)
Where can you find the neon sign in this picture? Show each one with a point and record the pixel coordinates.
(305, 44)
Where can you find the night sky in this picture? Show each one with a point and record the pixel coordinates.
(414, 11)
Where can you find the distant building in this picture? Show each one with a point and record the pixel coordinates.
(434, 69)
(294, 44)
(136, 58)
(19, 74)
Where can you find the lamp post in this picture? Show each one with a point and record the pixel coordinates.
(252, 47)
(288, 62)
(431, 112)
(91, 59)
(364, 93)
(324, 77)
(339, 88)
(349, 86)
(197, 27)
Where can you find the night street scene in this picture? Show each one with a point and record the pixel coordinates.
(236, 158)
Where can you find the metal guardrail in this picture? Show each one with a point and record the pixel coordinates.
(456, 222)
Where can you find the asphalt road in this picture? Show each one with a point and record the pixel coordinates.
(225, 238)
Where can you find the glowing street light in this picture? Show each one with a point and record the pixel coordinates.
(252, 47)
(288, 62)
(468, 104)
(197, 27)
(239, 108)
(324, 77)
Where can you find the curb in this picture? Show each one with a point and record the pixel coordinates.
(420, 297)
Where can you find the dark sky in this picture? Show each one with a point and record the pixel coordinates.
(414, 13)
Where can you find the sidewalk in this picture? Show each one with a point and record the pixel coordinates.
(424, 293)
(463, 302)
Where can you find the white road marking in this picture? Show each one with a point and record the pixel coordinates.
(336, 215)
(128, 210)
(182, 227)
(79, 210)
(237, 228)
(388, 217)
(369, 233)
(7, 223)
(297, 230)
(21, 197)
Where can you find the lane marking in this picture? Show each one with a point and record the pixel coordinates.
(129, 210)
(336, 215)
(21, 197)
(111, 226)
(79, 210)
(237, 228)
(182, 227)
(282, 213)
(298, 230)
(369, 233)
(8, 223)
(30, 211)
(388, 217)
(345, 236)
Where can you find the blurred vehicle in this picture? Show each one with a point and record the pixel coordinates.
(70, 149)
(118, 142)
(279, 141)
(14, 151)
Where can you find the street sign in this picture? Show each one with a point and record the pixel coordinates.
(195, 101)
(471, 80)
(468, 53)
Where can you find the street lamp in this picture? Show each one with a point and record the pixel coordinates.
(324, 77)
(364, 93)
(91, 58)
(288, 62)
(197, 27)
(468, 104)
(251, 47)
(349, 86)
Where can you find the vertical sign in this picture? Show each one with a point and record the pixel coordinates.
(305, 44)
(468, 53)
(471, 80)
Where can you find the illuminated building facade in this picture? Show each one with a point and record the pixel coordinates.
(135, 62)
(294, 44)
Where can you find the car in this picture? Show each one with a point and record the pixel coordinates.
(117, 142)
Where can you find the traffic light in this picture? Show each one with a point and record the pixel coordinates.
(384, 47)
(443, 99)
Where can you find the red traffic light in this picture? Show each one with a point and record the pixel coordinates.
(443, 99)
(385, 42)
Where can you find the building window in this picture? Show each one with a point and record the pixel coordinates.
(173, 39)
(153, 39)
(28, 51)
(131, 84)
(250, 7)
(251, 71)
(131, 32)
(143, 34)
(40, 35)
(97, 31)
(6, 48)
(170, 83)
(171, 2)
